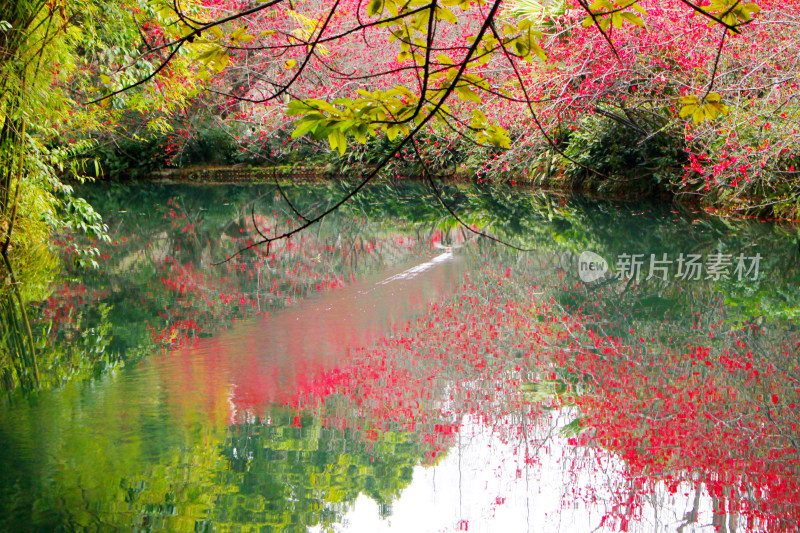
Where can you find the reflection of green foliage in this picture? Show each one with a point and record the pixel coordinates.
(769, 296)
(264, 477)
(669, 308)
(18, 366)
(290, 478)
(81, 352)
(564, 385)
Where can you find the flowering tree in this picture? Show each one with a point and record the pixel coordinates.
(504, 80)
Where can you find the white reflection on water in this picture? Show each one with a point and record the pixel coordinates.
(485, 485)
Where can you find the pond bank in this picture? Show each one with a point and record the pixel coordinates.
(598, 189)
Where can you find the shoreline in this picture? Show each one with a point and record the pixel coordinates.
(592, 189)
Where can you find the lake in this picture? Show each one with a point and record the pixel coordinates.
(634, 367)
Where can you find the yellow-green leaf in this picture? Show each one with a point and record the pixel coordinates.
(633, 19)
(467, 94)
(221, 60)
(303, 127)
(687, 110)
(236, 35)
(443, 13)
(333, 139)
(374, 7)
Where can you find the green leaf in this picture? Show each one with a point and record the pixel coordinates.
(633, 19)
(297, 107)
(360, 133)
(304, 126)
(467, 94)
(374, 7)
(521, 48)
(446, 15)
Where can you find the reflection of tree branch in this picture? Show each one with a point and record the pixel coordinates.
(453, 214)
(778, 428)
(691, 516)
(389, 156)
(289, 202)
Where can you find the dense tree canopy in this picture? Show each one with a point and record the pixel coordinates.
(697, 99)
(710, 83)
(696, 96)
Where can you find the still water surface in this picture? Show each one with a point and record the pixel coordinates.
(389, 371)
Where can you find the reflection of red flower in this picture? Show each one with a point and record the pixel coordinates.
(695, 416)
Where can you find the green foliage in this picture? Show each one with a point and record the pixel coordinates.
(732, 12)
(631, 157)
(44, 47)
(538, 11)
(607, 13)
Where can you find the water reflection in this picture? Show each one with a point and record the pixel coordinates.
(266, 361)
(361, 378)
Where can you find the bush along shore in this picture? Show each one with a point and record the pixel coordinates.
(605, 159)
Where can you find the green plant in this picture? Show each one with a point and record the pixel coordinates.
(641, 153)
